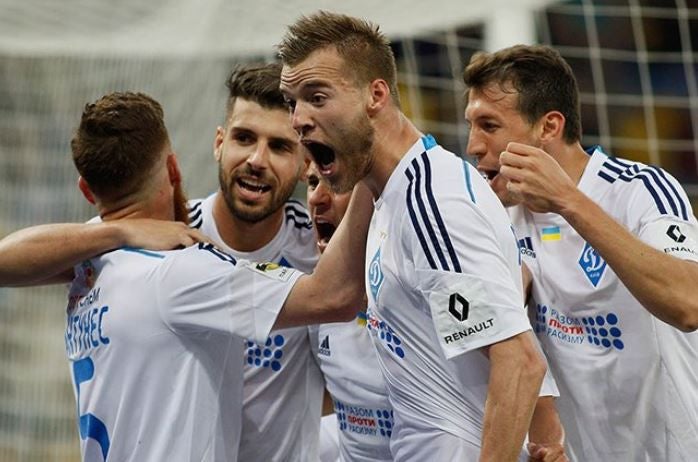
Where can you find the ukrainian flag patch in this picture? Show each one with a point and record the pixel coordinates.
(361, 318)
(551, 233)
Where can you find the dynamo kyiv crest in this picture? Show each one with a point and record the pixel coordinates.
(592, 264)
(375, 275)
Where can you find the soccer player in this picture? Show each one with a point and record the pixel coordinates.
(445, 301)
(612, 246)
(155, 338)
(346, 354)
(252, 217)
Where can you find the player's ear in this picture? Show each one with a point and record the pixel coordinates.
(175, 175)
(552, 125)
(379, 96)
(85, 190)
(218, 143)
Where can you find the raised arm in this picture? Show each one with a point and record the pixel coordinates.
(46, 254)
(663, 284)
(335, 291)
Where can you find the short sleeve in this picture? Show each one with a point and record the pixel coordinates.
(661, 215)
(202, 288)
(673, 237)
(469, 272)
(469, 311)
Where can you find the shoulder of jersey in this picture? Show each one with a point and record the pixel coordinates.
(297, 215)
(438, 171)
(627, 175)
(195, 216)
(430, 175)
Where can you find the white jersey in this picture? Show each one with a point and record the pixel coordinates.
(328, 448)
(154, 340)
(283, 384)
(349, 364)
(628, 381)
(443, 279)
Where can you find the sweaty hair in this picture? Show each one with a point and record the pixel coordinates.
(119, 140)
(363, 47)
(258, 83)
(543, 80)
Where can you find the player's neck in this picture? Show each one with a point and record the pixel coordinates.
(111, 212)
(395, 135)
(573, 160)
(241, 235)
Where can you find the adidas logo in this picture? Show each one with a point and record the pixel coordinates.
(325, 346)
(526, 247)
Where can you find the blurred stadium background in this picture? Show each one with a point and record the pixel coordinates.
(636, 62)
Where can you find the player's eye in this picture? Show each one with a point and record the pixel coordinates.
(489, 126)
(281, 146)
(243, 138)
(318, 99)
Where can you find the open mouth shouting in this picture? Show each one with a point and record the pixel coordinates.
(323, 155)
(325, 230)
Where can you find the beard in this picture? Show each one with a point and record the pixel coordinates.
(354, 150)
(254, 213)
(181, 211)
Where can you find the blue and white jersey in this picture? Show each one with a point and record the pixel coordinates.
(348, 361)
(443, 279)
(154, 341)
(628, 381)
(283, 384)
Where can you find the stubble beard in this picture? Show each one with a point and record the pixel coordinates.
(356, 152)
(253, 213)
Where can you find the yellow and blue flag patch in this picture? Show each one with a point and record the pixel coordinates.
(551, 233)
(361, 318)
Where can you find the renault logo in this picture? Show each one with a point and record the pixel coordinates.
(458, 307)
(675, 233)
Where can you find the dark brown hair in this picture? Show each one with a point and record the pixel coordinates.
(363, 47)
(543, 80)
(258, 83)
(119, 140)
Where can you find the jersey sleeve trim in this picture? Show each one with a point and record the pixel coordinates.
(661, 188)
(431, 220)
(298, 215)
(468, 184)
(147, 253)
(195, 209)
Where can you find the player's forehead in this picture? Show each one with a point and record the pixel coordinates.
(491, 100)
(322, 67)
(250, 115)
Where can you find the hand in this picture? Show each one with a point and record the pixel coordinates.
(553, 452)
(158, 234)
(535, 178)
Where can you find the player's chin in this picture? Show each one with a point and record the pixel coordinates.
(252, 211)
(506, 197)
